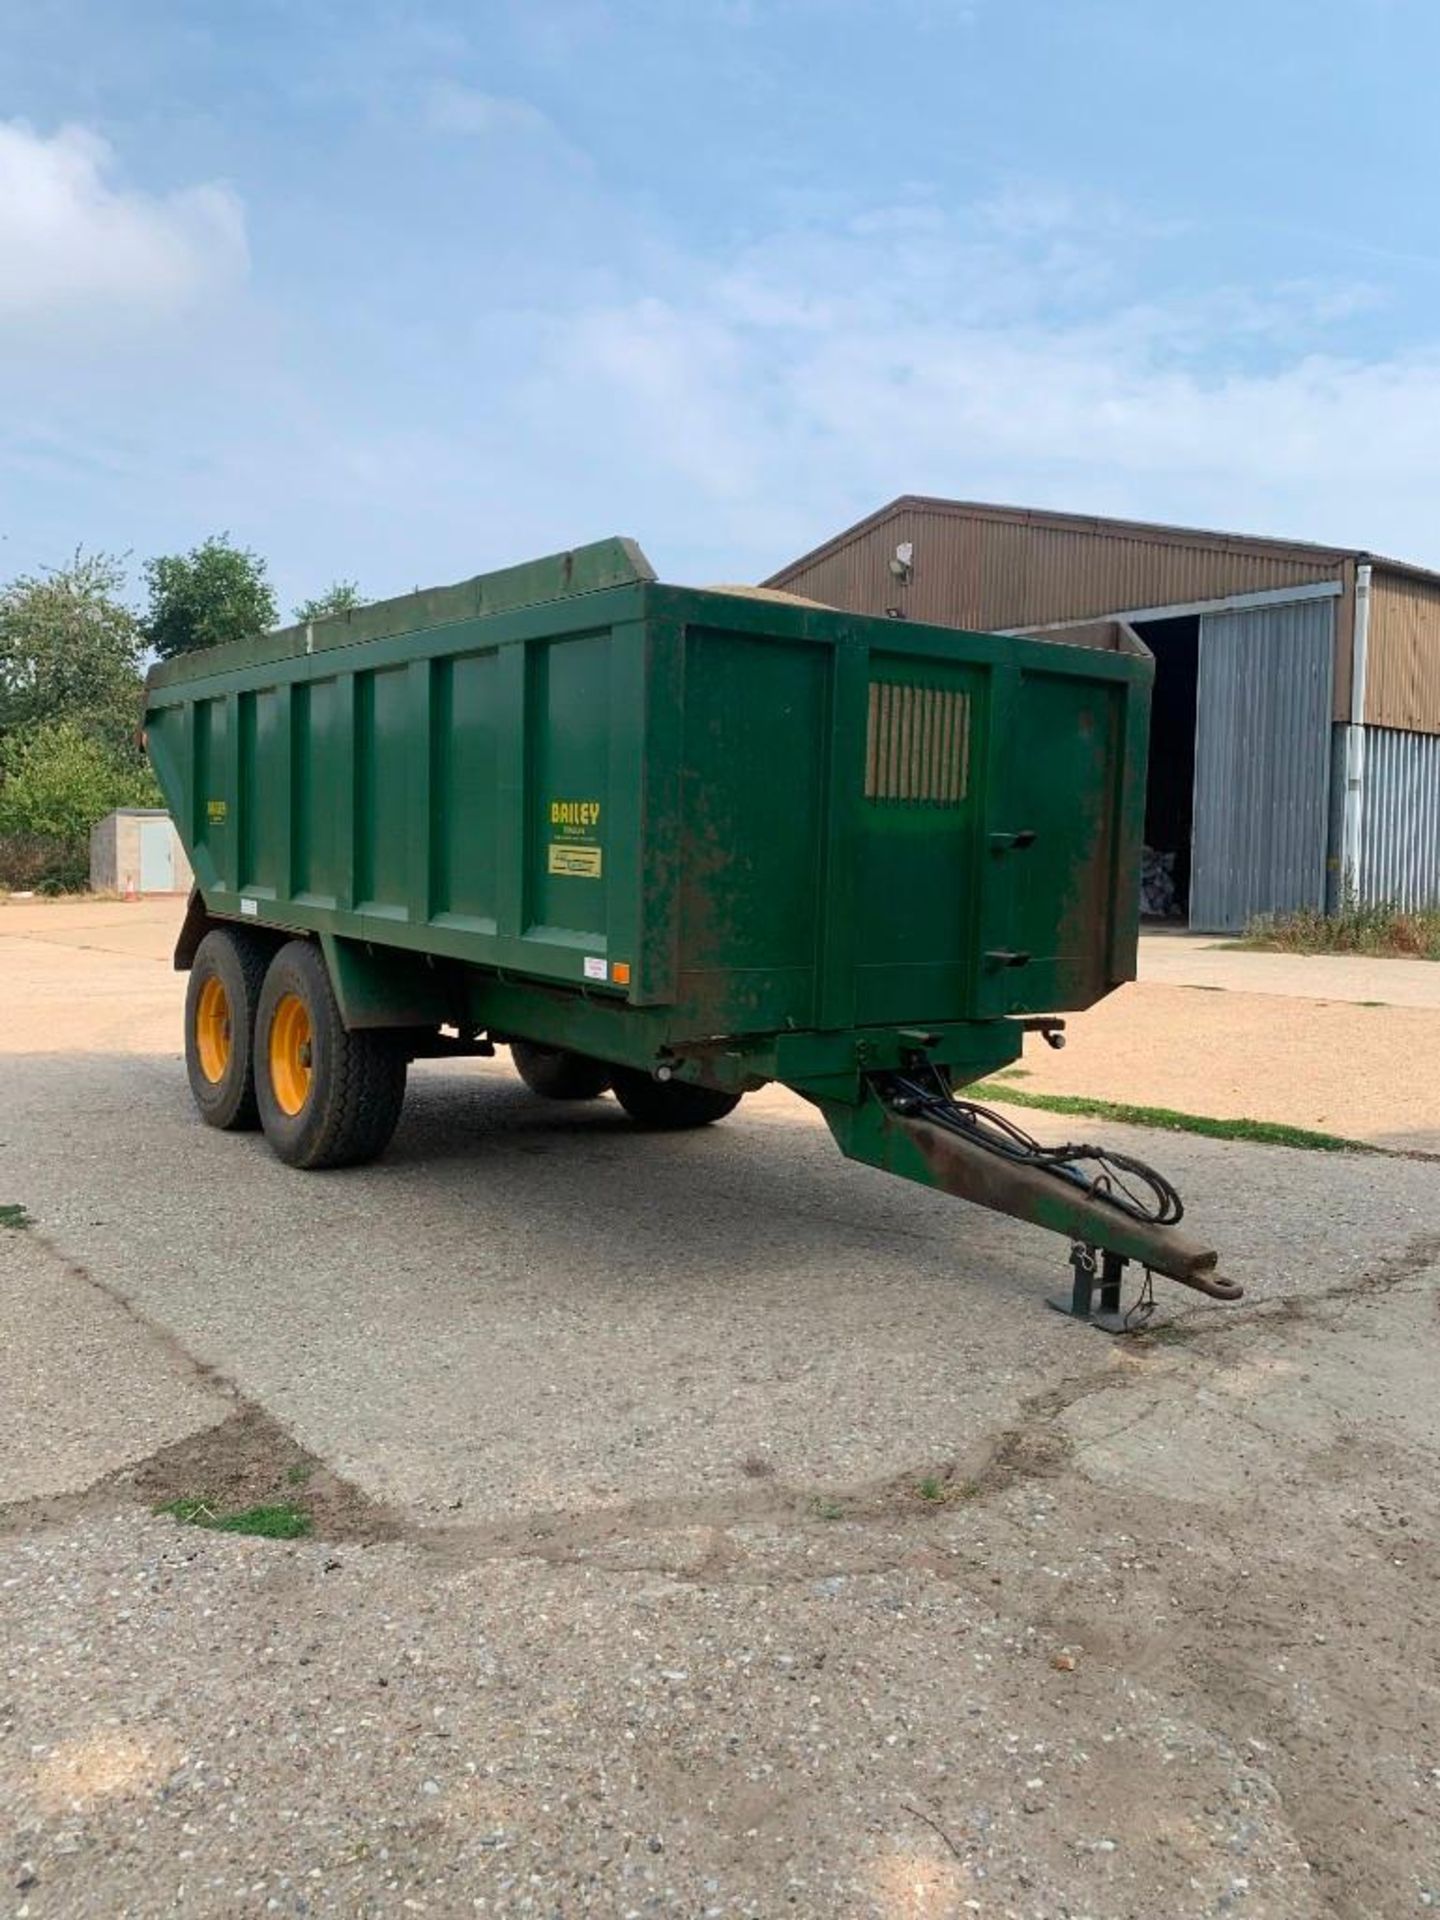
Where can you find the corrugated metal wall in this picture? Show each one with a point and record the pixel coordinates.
(1334, 873)
(1400, 824)
(991, 567)
(1262, 763)
(1402, 682)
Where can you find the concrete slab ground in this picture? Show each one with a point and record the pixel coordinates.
(1366, 1073)
(97, 1388)
(1202, 960)
(704, 1525)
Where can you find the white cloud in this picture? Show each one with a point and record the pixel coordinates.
(649, 370)
(503, 129)
(809, 378)
(73, 242)
(729, 407)
(451, 108)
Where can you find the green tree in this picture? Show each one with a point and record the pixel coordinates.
(216, 592)
(57, 780)
(343, 597)
(70, 650)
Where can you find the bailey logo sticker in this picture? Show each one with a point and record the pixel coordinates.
(576, 818)
(576, 853)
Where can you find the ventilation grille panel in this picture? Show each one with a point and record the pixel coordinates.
(917, 746)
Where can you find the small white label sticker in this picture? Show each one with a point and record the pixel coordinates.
(250, 906)
(594, 969)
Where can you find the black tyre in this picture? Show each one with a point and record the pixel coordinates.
(556, 1074)
(221, 1002)
(668, 1104)
(327, 1097)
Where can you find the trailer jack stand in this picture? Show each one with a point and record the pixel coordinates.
(1111, 1208)
(1098, 1269)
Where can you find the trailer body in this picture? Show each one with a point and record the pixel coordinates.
(655, 823)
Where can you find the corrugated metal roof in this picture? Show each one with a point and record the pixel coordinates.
(1149, 531)
(1016, 568)
(992, 568)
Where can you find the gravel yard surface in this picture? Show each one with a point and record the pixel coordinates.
(701, 1526)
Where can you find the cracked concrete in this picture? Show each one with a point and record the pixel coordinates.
(701, 1528)
(97, 1387)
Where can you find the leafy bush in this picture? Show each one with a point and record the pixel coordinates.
(343, 597)
(39, 863)
(56, 781)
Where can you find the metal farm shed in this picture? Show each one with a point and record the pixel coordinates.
(1295, 738)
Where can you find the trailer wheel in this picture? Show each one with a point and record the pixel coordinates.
(220, 1005)
(669, 1105)
(557, 1074)
(328, 1097)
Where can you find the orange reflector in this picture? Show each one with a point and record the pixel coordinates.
(620, 973)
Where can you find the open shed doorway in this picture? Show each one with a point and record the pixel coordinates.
(1170, 785)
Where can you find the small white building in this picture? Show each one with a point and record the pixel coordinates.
(137, 850)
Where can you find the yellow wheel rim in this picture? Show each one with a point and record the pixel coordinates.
(290, 1053)
(212, 1030)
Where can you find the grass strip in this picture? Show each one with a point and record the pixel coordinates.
(1265, 1133)
(278, 1522)
(1380, 931)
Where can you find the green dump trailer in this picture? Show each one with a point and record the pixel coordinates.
(670, 844)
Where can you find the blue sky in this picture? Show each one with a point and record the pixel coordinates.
(399, 292)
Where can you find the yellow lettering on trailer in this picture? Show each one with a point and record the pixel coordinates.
(576, 818)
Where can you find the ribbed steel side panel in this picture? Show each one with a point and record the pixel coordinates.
(1402, 682)
(1262, 763)
(1400, 825)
